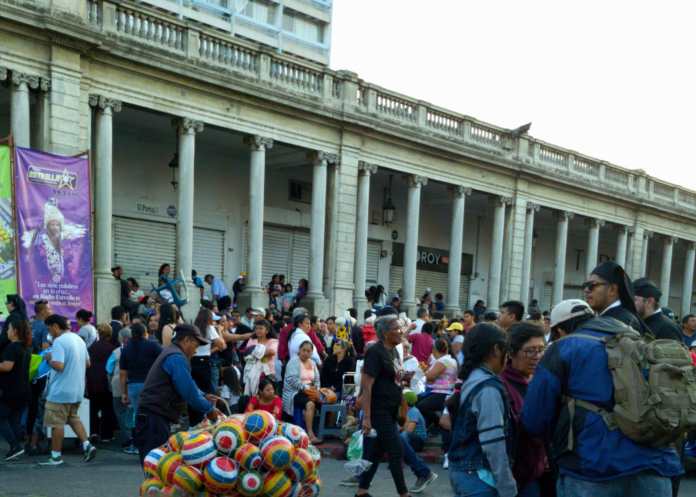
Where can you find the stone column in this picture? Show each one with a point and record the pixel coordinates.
(40, 121)
(19, 107)
(495, 273)
(644, 251)
(666, 274)
(688, 285)
(187, 129)
(108, 289)
(563, 218)
(415, 185)
(254, 294)
(594, 226)
(622, 246)
(454, 269)
(532, 209)
(365, 171)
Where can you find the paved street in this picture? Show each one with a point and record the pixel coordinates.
(113, 474)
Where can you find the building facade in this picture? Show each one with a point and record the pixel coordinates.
(215, 152)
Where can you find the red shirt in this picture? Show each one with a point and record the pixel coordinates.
(275, 407)
(283, 342)
(422, 346)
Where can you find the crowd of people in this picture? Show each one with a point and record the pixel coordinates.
(523, 400)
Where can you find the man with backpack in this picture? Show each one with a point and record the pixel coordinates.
(589, 397)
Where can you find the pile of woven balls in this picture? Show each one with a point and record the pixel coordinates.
(249, 455)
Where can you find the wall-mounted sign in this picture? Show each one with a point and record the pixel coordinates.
(432, 259)
(144, 208)
(171, 211)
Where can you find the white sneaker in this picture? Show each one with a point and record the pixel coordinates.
(53, 461)
(445, 462)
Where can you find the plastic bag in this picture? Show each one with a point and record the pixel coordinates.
(357, 467)
(355, 446)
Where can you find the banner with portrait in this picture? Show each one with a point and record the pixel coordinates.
(8, 265)
(53, 205)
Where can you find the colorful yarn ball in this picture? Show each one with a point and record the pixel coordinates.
(151, 488)
(296, 435)
(249, 456)
(170, 491)
(250, 484)
(188, 478)
(198, 449)
(260, 424)
(229, 436)
(296, 490)
(277, 484)
(151, 462)
(316, 456)
(167, 467)
(301, 466)
(220, 475)
(177, 440)
(310, 490)
(277, 452)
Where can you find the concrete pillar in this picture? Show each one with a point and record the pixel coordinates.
(108, 289)
(644, 251)
(40, 121)
(666, 274)
(365, 171)
(621, 246)
(454, 269)
(20, 122)
(594, 226)
(254, 294)
(688, 285)
(495, 274)
(187, 129)
(562, 219)
(532, 209)
(415, 185)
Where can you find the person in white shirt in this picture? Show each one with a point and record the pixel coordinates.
(422, 317)
(87, 331)
(201, 366)
(300, 335)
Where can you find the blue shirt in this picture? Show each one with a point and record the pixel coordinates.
(39, 335)
(175, 366)
(219, 289)
(414, 415)
(68, 386)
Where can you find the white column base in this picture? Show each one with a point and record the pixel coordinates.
(453, 311)
(361, 305)
(108, 295)
(317, 305)
(409, 308)
(252, 297)
(189, 311)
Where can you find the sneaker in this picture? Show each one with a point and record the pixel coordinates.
(90, 452)
(445, 462)
(422, 483)
(131, 451)
(14, 453)
(351, 481)
(53, 461)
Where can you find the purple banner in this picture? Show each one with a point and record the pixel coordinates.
(53, 203)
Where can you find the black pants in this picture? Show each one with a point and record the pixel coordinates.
(201, 372)
(151, 431)
(387, 440)
(430, 405)
(37, 389)
(102, 420)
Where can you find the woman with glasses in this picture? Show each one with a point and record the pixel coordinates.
(526, 348)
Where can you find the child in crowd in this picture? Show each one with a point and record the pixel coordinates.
(266, 399)
(231, 387)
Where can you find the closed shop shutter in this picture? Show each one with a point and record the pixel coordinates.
(140, 247)
(434, 280)
(396, 279)
(572, 292)
(209, 252)
(374, 249)
(547, 297)
(276, 252)
(299, 257)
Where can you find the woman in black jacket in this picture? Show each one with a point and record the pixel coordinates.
(336, 365)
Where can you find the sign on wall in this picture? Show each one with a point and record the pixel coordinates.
(8, 267)
(52, 195)
(432, 259)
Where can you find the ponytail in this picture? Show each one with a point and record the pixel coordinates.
(479, 344)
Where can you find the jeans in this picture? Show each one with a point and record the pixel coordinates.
(11, 424)
(646, 484)
(467, 484)
(417, 465)
(387, 440)
(134, 390)
(124, 416)
(37, 389)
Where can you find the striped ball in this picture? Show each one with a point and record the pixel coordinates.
(277, 453)
(176, 441)
(220, 475)
(248, 456)
(170, 491)
(188, 479)
(296, 490)
(229, 436)
(301, 466)
(311, 490)
(151, 462)
(260, 424)
(296, 435)
(277, 484)
(316, 456)
(167, 467)
(250, 484)
(151, 488)
(198, 449)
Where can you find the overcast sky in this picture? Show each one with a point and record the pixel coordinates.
(612, 79)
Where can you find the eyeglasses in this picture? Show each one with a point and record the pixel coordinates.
(589, 286)
(534, 352)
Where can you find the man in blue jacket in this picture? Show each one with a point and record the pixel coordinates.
(593, 460)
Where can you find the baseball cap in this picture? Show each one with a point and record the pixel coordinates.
(188, 330)
(216, 317)
(455, 327)
(569, 309)
(693, 344)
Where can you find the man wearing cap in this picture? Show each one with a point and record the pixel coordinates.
(454, 329)
(593, 460)
(167, 388)
(647, 300)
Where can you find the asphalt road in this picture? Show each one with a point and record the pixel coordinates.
(113, 474)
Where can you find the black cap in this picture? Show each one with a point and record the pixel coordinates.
(188, 330)
(645, 288)
(387, 310)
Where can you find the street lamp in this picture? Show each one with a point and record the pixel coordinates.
(388, 208)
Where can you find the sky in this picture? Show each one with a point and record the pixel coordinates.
(612, 79)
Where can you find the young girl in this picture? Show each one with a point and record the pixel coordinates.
(266, 400)
(231, 387)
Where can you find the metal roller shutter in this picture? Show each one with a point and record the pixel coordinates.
(140, 247)
(374, 250)
(276, 252)
(209, 252)
(434, 280)
(300, 257)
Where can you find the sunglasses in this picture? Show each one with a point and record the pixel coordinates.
(589, 286)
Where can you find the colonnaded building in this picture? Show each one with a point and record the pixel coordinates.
(221, 141)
